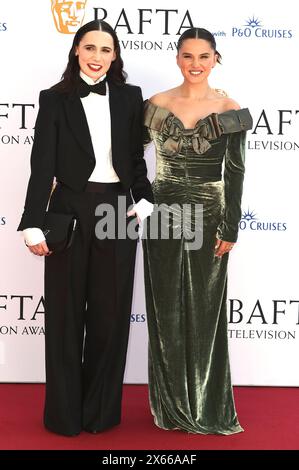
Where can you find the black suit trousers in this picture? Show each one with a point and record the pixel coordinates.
(88, 296)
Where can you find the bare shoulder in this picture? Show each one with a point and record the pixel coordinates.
(229, 103)
(219, 93)
(225, 102)
(162, 99)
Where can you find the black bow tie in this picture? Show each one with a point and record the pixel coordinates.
(85, 89)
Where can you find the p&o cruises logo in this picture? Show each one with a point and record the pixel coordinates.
(68, 15)
(250, 221)
(255, 29)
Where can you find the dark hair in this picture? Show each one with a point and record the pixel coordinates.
(199, 33)
(70, 78)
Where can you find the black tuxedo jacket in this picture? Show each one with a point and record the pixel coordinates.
(63, 148)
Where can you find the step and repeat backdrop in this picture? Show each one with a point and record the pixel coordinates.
(259, 44)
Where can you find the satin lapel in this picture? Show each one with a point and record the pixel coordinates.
(78, 123)
(117, 112)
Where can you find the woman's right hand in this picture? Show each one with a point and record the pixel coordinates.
(41, 249)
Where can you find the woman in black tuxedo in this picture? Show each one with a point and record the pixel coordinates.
(88, 136)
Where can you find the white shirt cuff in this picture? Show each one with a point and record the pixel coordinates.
(33, 236)
(143, 208)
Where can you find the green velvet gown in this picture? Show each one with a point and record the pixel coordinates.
(189, 373)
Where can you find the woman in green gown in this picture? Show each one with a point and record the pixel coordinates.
(198, 132)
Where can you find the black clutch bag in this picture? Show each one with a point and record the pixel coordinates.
(59, 230)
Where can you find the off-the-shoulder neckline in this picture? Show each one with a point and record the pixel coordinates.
(197, 122)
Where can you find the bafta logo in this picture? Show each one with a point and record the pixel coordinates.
(68, 15)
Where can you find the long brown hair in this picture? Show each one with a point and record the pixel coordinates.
(71, 77)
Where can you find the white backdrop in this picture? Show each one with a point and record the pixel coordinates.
(259, 45)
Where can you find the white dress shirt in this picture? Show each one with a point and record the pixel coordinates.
(97, 111)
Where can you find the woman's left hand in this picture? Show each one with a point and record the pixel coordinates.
(222, 247)
(132, 213)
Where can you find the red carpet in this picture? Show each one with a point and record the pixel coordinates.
(270, 417)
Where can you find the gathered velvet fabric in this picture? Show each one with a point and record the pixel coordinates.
(189, 372)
